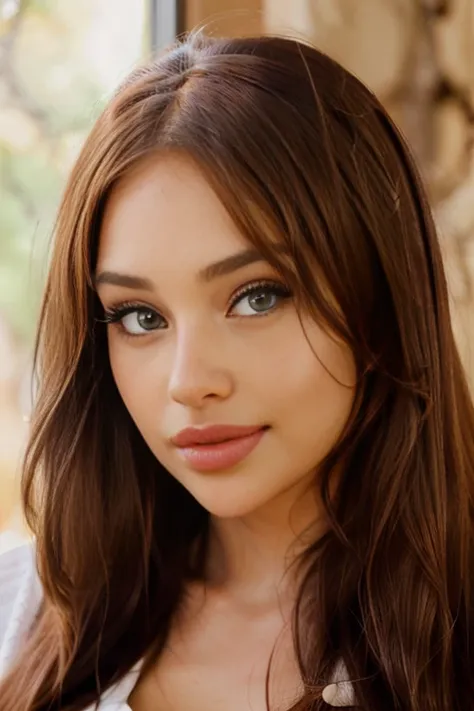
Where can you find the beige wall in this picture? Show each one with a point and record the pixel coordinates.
(225, 17)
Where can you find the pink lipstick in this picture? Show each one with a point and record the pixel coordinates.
(217, 447)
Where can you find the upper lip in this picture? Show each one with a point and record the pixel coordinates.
(212, 434)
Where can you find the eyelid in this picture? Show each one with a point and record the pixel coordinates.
(253, 286)
(126, 307)
(130, 306)
(115, 313)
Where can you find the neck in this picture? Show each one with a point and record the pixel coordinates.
(250, 557)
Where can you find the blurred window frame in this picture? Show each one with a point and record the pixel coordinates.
(166, 22)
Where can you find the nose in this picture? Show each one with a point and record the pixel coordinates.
(199, 373)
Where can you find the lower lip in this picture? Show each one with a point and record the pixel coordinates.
(223, 455)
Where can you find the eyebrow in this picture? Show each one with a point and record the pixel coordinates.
(208, 274)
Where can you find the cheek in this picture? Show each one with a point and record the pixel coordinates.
(304, 364)
(313, 390)
(136, 380)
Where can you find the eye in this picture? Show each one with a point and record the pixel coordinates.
(259, 299)
(135, 319)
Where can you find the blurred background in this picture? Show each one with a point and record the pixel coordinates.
(61, 59)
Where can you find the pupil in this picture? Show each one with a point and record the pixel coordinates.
(145, 319)
(262, 301)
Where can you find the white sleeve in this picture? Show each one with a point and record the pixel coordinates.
(20, 599)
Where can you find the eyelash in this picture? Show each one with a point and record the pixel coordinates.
(115, 314)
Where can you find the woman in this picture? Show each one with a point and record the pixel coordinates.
(251, 466)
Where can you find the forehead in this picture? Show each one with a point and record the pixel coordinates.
(164, 213)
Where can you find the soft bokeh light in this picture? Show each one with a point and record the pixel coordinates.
(61, 62)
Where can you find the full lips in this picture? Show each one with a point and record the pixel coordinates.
(221, 455)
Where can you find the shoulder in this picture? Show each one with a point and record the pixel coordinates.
(20, 599)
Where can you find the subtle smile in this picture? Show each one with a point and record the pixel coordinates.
(217, 447)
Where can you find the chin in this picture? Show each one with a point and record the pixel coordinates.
(234, 493)
(227, 502)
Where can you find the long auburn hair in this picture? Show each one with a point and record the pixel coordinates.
(302, 154)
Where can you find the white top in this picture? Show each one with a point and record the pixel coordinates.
(20, 599)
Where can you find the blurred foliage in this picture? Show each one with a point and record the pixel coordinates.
(58, 61)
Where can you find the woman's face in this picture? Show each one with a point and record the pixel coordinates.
(209, 335)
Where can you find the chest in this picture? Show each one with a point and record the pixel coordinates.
(218, 661)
